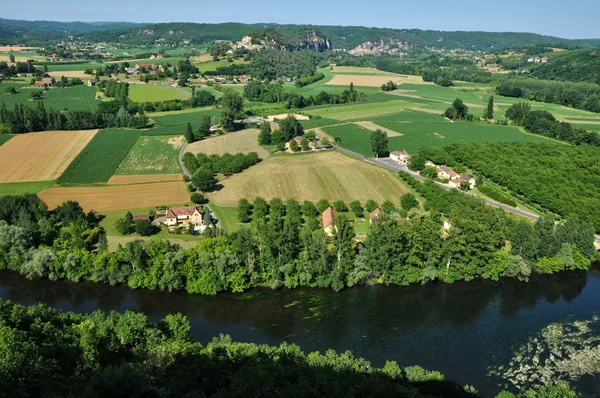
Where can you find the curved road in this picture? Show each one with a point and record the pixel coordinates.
(391, 165)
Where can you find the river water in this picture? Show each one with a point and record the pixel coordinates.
(461, 330)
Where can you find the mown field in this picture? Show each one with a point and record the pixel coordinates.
(127, 179)
(42, 155)
(73, 67)
(181, 118)
(420, 129)
(244, 141)
(119, 197)
(313, 176)
(19, 188)
(213, 65)
(153, 93)
(359, 111)
(101, 157)
(77, 97)
(152, 155)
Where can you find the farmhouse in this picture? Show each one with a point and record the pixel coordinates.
(400, 157)
(446, 173)
(328, 221)
(456, 181)
(142, 217)
(183, 216)
(90, 83)
(44, 82)
(145, 66)
(374, 214)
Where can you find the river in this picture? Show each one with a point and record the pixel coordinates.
(460, 329)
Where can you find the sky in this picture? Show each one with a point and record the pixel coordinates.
(568, 19)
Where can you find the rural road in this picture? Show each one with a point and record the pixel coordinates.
(177, 89)
(188, 175)
(391, 165)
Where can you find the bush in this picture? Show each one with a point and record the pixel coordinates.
(197, 198)
(145, 228)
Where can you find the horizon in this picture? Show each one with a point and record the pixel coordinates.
(512, 16)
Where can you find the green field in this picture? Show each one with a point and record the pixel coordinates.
(213, 65)
(101, 157)
(77, 97)
(19, 188)
(152, 155)
(421, 129)
(153, 93)
(76, 67)
(158, 130)
(5, 137)
(313, 123)
(180, 118)
(361, 111)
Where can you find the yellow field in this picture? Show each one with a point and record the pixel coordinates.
(244, 141)
(121, 197)
(5, 49)
(41, 156)
(272, 118)
(360, 70)
(324, 175)
(372, 81)
(372, 127)
(71, 74)
(142, 178)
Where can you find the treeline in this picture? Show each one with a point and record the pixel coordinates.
(230, 70)
(496, 195)
(305, 81)
(566, 184)
(225, 164)
(584, 96)
(25, 119)
(575, 66)
(198, 99)
(273, 93)
(113, 89)
(56, 353)
(273, 64)
(544, 123)
(8, 71)
(434, 69)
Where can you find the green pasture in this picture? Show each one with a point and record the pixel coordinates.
(362, 111)
(19, 188)
(321, 122)
(74, 67)
(79, 97)
(151, 155)
(180, 118)
(213, 65)
(153, 93)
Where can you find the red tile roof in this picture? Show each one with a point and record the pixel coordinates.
(328, 217)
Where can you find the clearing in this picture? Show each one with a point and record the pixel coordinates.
(41, 156)
(152, 155)
(360, 110)
(372, 127)
(244, 141)
(142, 178)
(153, 93)
(324, 175)
(120, 197)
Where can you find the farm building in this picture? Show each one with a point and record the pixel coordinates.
(184, 216)
(47, 81)
(456, 181)
(400, 157)
(374, 214)
(446, 173)
(328, 221)
(142, 217)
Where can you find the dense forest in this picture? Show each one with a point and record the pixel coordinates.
(567, 184)
(50, 353)
(575, 66)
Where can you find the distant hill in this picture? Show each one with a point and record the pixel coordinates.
(576, 66)
(344, 37)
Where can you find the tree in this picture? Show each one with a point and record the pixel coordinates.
(205, 125)
(322, 205)
(36, 95)
(189, 133)
(102, 242)
(259, 208)
(243, 210)
(69, 212)
(123, 225)
(357, 208)
(264, 137)
(145, 227)
(379, 142)
(197, 198)
(293, 146)
(408, 201)
(304, 144)
(290, 128)
(517, 112)
(388, 207)
(371, 205)
(457, 111)
(340, 206)
(429, 172)
(11, 57)
(417, 162)
(489, 111)
(205, 180)
(343, 237)
(309, 210)
(232, 106)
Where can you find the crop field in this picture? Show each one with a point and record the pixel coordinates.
(73, 67)
(70, 74)
(180, 118)
(119, 197)
(324, 175)
(421, 129)
(152, 155)
(142, 178)
(153, 93)
(78, 97)
(357, 70)
(213, 65)
(320, 122)
(362, 80)
(360, 111)
(373, 127)
(101, 157)
(19, 188)
(41, 156)
(244, 141)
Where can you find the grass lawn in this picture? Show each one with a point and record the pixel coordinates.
(359, 110)
(152, 155)
(320, 122)
(244, 141)
(5, 137)
(18, 188)
(310, 176)
(153, 93)
(77, 97)
(213, 65)
(181, 118)
(227, 216)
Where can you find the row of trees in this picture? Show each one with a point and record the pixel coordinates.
(274, 93)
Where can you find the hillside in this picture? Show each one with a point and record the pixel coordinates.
(576, 66)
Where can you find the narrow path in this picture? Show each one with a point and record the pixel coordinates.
(177, 89)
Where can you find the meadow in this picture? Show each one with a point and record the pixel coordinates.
(101, 157)
(77, 97)
(359, 111)
(152, 155)
(213, 65)
(311, 176)
(153, 93)
(244, 141)
(181, 118)
(72, 67)
(119, 197)
(19, 188)
(42, 155)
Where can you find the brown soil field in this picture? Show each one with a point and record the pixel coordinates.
(41, 156)
(119, 197)
(244, 141)
(142, 179)
(372, 127)
(71, 74)
(372, 81)
(272, 118)
(324, 175)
